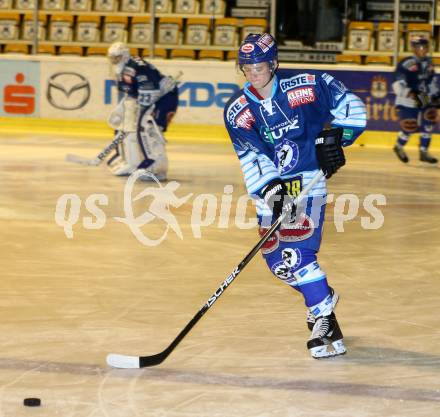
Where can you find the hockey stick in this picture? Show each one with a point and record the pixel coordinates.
(124, 361)
(96, 161)
(117, 140)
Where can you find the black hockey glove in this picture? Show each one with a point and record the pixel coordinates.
(276, 197)
(329, 151)
(435, 101)
(422, 99)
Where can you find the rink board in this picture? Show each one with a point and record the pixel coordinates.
(54, 91)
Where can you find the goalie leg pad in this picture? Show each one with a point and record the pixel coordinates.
(129, 156)
(152, 144)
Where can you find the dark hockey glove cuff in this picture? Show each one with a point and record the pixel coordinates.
(329, 152)
(276, 197)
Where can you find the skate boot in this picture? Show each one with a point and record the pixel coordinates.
(426, 157)
(326, 339)
(401, 154)
(311, 318)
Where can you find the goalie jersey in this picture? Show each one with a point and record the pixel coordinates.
(275, 137)
(140, 80)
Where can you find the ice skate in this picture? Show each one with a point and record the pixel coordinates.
(426, 157)
(311, 318)
(401, 154)
(326, 339)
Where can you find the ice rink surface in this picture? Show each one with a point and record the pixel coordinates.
(68, 302)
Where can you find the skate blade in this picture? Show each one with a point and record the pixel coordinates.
(328, 351)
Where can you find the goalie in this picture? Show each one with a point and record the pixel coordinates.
(149, 103)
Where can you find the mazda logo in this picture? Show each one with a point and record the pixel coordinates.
(68, 91)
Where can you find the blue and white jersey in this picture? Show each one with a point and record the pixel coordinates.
(141, 81)
(414, 75)
(275, 137)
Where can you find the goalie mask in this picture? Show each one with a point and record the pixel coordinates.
(118, 54)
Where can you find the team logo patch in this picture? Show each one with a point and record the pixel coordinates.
(301, 96)
(287, 157)
(247, 48)
(245, 119)
(282, 271)
(302, 229)
(291, 258)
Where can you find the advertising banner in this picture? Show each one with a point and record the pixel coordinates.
(74, 89)
(84, 88)
(19, 88)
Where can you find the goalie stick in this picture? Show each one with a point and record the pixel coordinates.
(96, 161)
(116, 141)
(124, 361)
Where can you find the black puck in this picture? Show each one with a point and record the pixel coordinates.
(32, 402)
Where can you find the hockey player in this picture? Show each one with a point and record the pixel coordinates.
(149, 103)
(417, 94)
(276, 124)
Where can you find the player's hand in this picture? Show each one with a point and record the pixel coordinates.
(329, 152)
(421, 99)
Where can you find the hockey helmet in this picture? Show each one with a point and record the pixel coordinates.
(418, 40)
(256, 48)
(118, 53)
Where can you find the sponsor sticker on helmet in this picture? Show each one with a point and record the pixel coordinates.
(247, 48)
(265, 42)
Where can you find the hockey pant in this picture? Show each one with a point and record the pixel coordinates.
(416, 120)
(142, 148)
(291, 253)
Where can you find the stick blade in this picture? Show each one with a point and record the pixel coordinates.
(123, 361)
(76, 159)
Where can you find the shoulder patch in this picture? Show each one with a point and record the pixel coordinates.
(235, 108)
(410, 64)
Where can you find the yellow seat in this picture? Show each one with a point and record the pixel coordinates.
(97, 51)
(9, 25)
(158, 53)
(28, 27)
(211, 55)
(182, 54)
(348, 59)
(46, 49)
(70, 50)
(16, 48)
(225, 31)
(252, 25)
(88, 28)
(197, 31)
(360, 35)
(61, 28)
(115, 29)
(140, 30)
(417, 29)
(231, 56)
(378, 60)
(169, 30)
